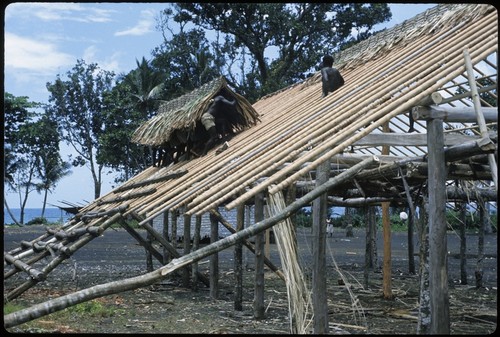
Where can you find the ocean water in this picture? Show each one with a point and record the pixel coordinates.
(51, 214)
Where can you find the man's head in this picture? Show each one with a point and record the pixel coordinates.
(327, 61)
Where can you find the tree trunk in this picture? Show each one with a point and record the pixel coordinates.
(10, 213)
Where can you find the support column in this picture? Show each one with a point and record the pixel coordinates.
(319, 299)
(214, 259)
(438, 266)
(187, 248)
(258, 302)
(238, 261)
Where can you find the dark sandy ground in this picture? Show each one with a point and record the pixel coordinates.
(167, 307)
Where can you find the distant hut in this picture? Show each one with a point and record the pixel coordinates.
(176, 132)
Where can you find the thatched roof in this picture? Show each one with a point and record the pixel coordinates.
(183, 113)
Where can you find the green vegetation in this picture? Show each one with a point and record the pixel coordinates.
(357, 219)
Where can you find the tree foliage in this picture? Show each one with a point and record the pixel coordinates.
(77, 105)
(299, 34)
(186, 59)
(50, 167)
(133, 100)
(31, 152)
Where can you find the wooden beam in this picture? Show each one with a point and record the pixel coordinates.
(452, 114)
(409, 139)
(468, 94)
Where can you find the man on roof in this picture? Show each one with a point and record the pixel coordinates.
(216, 119)
(330, 77)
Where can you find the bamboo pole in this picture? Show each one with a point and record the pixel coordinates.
(66, 253)
(186, 198)
(387, 112)
(248, 244)
(60, 303)
(479, 114)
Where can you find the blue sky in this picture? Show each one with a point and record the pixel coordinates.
(42, 40)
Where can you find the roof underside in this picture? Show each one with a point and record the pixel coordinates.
(385, 77)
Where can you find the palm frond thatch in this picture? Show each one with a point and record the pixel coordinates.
(182, 114)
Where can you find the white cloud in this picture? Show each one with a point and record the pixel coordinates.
(34, 55)
(144, 26)
(58, 11)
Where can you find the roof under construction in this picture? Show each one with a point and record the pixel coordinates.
(419, 66)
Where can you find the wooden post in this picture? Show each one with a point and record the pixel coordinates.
(386, 266)
(319, 300)
(174, 227)
(411, 222)
(438, 271)
(238, 261)
(479, 114)
(411, 248)
(480, 245)
(371, 243)
(166, 254)
(368, 263)
(214, 259)
(463, 242)
(196, 243)
(424, 309)
(149, 257)
(258, 302)
(187, 248)
(386, 232)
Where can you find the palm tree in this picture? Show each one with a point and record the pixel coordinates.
(145, 86)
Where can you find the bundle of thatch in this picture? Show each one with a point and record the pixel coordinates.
(178, 119)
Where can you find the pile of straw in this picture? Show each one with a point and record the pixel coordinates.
(299, 297)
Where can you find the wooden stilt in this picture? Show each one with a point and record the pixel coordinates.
(438, 273)
(238, 261)
(386, 229)
(258, 302)
(319, 298)
(214, 259)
